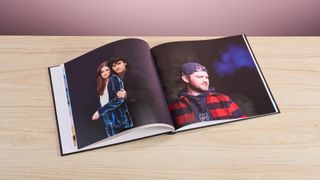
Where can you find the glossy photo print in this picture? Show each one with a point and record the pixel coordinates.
(112, 89)
(212, 80)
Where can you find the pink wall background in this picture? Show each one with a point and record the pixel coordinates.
(159, 17)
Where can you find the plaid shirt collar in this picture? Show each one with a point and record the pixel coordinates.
(184, 93)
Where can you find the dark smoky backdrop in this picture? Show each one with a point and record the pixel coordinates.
(231, 68)
(81, 78)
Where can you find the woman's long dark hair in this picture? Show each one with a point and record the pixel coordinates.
(101, 83)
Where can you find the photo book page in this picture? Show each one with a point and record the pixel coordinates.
(211, 82)
(87, 92)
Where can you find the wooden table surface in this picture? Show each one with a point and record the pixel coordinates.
(282, 146)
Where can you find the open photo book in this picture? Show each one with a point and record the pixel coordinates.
(126, 90)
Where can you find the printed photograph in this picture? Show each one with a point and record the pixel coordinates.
(112, 89)
(212, 80)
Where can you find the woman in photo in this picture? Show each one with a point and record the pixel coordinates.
(113, 110)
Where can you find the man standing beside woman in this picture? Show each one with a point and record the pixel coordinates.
(138, 93)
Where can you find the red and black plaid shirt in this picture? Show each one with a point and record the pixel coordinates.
(218, 105)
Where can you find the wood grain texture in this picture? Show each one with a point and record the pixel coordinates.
(283, 146)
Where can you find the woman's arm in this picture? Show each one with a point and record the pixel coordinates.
(117, 85)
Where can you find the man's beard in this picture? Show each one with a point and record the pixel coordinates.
(199, 90)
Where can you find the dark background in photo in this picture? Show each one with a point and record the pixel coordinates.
(81, 77)
(230, 67)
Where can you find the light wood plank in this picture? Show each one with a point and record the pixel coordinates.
(283, 146)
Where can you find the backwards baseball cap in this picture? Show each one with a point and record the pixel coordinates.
(189, 68)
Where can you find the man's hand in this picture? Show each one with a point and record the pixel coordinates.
(122, 94)
(95, 116)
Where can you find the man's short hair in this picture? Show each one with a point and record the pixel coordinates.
(190, 67)
(117, 59)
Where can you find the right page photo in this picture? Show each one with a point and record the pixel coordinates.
(212, 81)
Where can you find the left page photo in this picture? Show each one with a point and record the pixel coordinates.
(108, 96)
